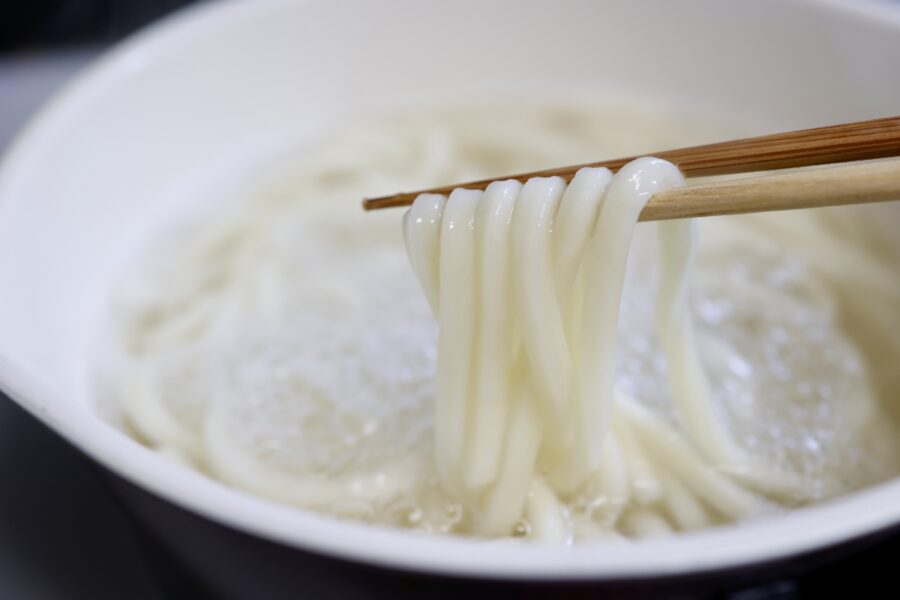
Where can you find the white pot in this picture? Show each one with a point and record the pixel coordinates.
(194, 91)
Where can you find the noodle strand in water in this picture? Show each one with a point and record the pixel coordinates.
(565, 376)
(530, 281)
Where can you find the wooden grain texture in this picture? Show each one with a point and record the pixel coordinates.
(878, 138)
(831, 186)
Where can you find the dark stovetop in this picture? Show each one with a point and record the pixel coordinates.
(61, 534)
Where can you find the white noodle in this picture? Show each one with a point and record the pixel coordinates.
(491, 343)
(283, 349)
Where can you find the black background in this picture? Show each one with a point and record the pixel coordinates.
(40, 24)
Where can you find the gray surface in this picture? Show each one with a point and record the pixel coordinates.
(61, 533)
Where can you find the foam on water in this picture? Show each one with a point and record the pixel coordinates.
(299, 324)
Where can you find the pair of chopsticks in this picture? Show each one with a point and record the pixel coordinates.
(831, 186)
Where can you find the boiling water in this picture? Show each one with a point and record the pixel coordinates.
(285, 348)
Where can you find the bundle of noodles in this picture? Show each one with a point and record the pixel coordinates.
(526, 281)
(282, 346)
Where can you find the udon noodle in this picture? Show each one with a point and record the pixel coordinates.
(527, 289)
(589, 379)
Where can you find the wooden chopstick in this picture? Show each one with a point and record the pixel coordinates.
(878, 138)
(829, 186)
